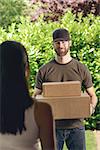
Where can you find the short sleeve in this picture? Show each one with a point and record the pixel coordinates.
(39, 80)
(87, 78)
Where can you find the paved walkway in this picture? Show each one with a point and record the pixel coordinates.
(97, 135)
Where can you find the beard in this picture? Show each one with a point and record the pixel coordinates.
(60, 53)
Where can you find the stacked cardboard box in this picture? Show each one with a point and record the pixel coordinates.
(61, 89)
(66, 99)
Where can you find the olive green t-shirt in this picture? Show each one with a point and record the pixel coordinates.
(72, 71)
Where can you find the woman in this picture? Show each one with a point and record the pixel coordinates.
(22, 120)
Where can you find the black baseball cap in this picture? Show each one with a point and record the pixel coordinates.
(61, 35)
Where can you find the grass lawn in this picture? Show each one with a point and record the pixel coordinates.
(90, 141)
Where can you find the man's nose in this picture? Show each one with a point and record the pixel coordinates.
(60, 43)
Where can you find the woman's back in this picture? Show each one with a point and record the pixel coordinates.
(22, 120)
(28, 140)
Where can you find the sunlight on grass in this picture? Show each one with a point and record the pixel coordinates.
(90, 141)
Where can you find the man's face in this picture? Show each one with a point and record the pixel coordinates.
(61, 47)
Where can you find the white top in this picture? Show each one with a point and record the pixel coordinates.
(28, 140)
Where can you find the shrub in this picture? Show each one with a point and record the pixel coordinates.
(11, 10)
(55, 9)
(37, 38)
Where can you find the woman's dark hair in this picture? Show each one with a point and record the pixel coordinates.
(14, 94)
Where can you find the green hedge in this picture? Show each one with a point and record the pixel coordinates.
(11, 10)
(37, 38)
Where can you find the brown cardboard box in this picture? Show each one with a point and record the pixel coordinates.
(59, 89)
(68, 107)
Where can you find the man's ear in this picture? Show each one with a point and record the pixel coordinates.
(70, 43)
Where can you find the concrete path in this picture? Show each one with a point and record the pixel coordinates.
(97, 135)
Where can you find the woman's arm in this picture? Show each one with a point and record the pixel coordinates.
(45, 122)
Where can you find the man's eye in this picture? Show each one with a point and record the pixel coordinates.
(57, 42)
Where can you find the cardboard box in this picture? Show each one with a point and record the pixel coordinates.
(59, 89)
(68, 107)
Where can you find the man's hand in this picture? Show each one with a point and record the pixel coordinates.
(36, 92)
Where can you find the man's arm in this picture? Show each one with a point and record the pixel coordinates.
(93, 97)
